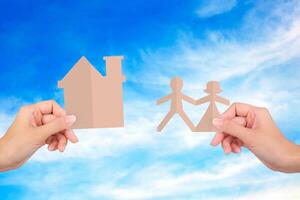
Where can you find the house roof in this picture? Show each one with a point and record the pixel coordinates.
(81, 65)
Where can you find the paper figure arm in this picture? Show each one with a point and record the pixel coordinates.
(222, 100)
(164, 99)
(189, 99)
(203, 100)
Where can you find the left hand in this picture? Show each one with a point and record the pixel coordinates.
(35, 125)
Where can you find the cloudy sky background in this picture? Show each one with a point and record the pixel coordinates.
(251, 47)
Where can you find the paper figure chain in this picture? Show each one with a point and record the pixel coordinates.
(177, 97)
(96, 100)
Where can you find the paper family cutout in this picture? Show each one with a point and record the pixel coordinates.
(176, 107)
(96, 100)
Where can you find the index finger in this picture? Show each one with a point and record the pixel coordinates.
(237, 110)
(50, 107)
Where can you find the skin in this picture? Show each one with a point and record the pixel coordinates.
(35, 126)
(244, 125)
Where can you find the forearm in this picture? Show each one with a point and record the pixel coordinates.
(3, 157)
(7, 161)
(287, 159)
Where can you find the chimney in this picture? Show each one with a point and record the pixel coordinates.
(114, 67)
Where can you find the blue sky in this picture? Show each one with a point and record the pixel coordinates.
(252, 47)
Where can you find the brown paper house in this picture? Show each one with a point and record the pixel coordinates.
(96, 100)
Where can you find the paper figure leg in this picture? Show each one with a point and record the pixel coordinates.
(165, 120)
(187, 120)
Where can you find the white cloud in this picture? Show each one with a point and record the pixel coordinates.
(279, 192)
(215, 7)
(222, 57)
(5, 121)
(163, 181)
(274, 89)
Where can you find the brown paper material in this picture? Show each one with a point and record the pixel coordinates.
(95, 100)
(176, 107)
(212, 88)
(176, 97)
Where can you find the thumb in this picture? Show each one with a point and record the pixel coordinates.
(56, 125)
(232, 128)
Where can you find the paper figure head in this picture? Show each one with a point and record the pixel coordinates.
(176, 83)
(213, 87)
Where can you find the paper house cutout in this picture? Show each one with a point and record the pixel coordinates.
(95, 100)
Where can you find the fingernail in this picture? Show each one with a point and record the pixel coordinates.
(227, 151)
(70, 119)
(213, 143)
(218, 123)
(75, 140)
(50, 148)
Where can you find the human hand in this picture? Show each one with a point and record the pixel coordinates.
(34, 126)
(256, 131)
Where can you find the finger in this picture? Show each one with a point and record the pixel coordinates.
(240, 121)
(48, 118)
(235, 148)
(37, 118)
(50, 139)
(237, 109)
(50, 107)
(250, 119)
(226, 144)
(62, 142)
(68, 132)
(238, 142)
(53, 145)
(217, 139)
(55, 126)
(71, 136)
(231, 128)
(220, 135)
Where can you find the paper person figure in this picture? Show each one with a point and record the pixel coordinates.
(96, 100)
(212, 88)
(176, 107)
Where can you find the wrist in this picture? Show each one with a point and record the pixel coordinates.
(293, 161)
(297, 158)
(3, 158)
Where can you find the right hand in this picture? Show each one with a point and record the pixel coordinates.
(259, 134)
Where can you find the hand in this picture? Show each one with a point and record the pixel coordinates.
(35, 125)
(257, 131)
